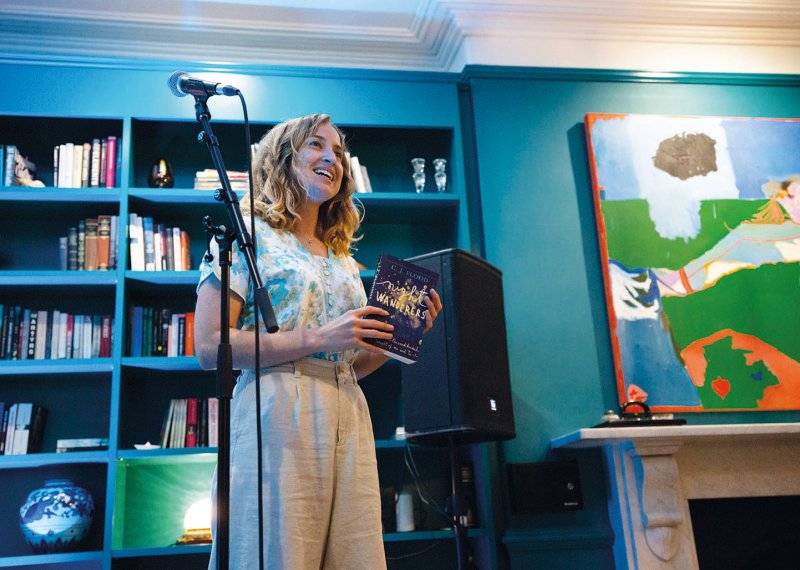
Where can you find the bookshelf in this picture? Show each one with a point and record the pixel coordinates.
(124, 398)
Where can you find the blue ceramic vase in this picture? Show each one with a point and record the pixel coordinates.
(56, 517)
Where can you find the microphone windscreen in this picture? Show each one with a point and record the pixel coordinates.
(173, 83)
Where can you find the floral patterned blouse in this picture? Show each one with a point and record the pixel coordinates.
(306, 290)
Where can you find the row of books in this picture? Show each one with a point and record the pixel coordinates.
(160, 332)
(91, 245)
(87, 165)
(156, 247)
(22, 428)
(190, 422)
(208, 179)
(30, 334)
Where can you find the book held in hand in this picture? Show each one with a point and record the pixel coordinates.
(401, 288)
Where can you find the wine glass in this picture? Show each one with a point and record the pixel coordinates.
(419, 173)
(439, 175)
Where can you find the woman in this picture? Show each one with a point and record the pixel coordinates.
(320, 482)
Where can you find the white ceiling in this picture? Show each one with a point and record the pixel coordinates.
(736, 36)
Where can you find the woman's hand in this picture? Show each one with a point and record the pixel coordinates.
(353, 327)
(434, 308)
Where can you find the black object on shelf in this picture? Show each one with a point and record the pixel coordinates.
(632, 419)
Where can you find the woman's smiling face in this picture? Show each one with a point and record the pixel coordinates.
(319, 162)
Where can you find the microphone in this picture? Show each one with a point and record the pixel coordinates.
(181, 85)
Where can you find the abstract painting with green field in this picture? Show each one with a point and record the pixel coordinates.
(699, 227)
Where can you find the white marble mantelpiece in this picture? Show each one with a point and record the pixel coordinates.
(654, 471)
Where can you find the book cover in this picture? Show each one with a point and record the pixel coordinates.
(62, 253)
(85, 164)
(103, 241)
(113, 238)
(213, 422)
(8, 170)
(11, 425)
(111, 162)
(22, 428)
(401, 288)
(38, 418)
(149, 244)
(77, 164)
(94, 169)
(81, 244)
(166, 425)
(191, 423)
(72, 248)
(189, 340)
(3, 426)
(90, 244)
(56, 150)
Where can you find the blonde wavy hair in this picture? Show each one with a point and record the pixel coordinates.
(278, 189)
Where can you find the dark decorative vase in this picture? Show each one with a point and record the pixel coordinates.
(56, 517)
(161, 175)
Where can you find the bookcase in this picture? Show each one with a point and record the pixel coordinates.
(141, 495)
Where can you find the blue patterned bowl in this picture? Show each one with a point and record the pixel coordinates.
(56, 517)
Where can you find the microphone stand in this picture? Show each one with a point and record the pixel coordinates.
(224, 386)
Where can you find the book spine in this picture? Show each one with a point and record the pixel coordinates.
(56, 150)
(213, 427)
(39, 415)
(30, 345)
(189, 342)
(63, 253)
(90, 245)
(81, 244)
(94, 173)
(105, 337)
(149, 244)
(77, 164)
(103, 242)
(86, 164)
(111, 162)
(103, 156)
(113, 242)
(72, 248)
(191, 423)
(8, 170)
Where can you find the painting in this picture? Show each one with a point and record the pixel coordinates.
(699, 232)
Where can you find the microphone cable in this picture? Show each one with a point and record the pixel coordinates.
(257, 332)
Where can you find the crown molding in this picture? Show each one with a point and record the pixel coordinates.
(752, 36)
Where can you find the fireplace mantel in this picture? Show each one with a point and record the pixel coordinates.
(654, 471)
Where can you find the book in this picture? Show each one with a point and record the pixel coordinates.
(136, 238)
(85, 164)
(8, 167)
(111, 162)
(103, 242)
(191, 423)
(81, 444)
(213, 422)
(81, 244)
(90, 245)
(72, 248)
(63, 252)
(11, 425)
(401, 288)
(94, 170)
(38, 418)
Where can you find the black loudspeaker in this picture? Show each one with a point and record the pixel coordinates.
(460, 388)
(545, 487)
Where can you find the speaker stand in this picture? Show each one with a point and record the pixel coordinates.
(457, 507)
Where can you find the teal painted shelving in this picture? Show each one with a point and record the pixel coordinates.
(125, 398)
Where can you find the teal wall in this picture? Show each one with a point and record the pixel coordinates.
(539, 229)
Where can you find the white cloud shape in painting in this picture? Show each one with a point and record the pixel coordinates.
(674, 204)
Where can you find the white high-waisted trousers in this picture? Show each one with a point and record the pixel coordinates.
(320, 484)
